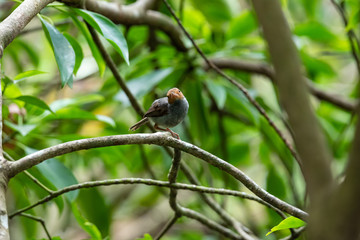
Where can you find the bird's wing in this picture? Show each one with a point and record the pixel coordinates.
(159, 108)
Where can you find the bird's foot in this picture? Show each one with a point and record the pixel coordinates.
(174, 134)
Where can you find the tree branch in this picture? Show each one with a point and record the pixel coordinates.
(149, 182)
(295, 98)
(161, 139)
(265, 70)
(173, 172)
(40, 220)
(18, 19)
(167, 227)
(4, 225)
(346, 208)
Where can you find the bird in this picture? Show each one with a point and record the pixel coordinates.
(166, 112)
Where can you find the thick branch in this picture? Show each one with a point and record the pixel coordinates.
(4, 226)
(18, 19)
(264, 69)
(161, 139)
(295, 98)
(346, 209)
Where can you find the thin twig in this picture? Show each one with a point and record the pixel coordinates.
(209, 223)
(353, 40)
(296, 234)
(167, 227)
(149, 182)
(173, 172)
(237, 84)
(266, 70)
(38, 219)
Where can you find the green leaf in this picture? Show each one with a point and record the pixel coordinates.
(142, 85)
(76, 101)
(216, 12)
(218, 92)
(146, 237)
(315, 31)
(28, 74)
(78, 51)
(242, 25)
(275, 183)
(72, 113)
(354, 20)
(77, 113)
(106, 119)
(24, 129)
(11, 90)
(101, 215)
(107, 29)
(64, 53)
(28, 47)
(290, 222)
(59, 175)
(34, 101)
(89, 227)
(19, 189)
(311, 7)
(5, 81)
(316, 66)
(94, 50)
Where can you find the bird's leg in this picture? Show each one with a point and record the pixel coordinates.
(174, 134)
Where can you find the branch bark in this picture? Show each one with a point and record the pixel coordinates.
(161, 139)
(343, 212)
(309, 138)
(4, 226)
(295, 98)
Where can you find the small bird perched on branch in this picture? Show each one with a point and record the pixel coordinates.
(167, 112)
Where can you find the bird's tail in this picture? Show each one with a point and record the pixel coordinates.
(139, 124)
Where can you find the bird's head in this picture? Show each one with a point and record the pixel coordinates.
(174, 94)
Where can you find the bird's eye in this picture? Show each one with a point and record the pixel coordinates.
(179, 91)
